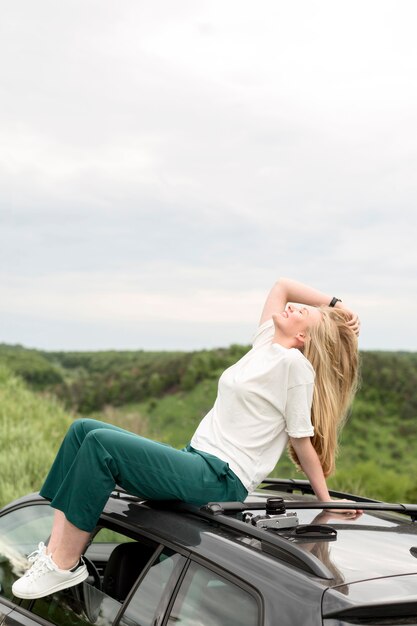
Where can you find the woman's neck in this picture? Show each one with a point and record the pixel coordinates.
(283, 340)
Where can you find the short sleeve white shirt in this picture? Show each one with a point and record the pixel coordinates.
(262, 400)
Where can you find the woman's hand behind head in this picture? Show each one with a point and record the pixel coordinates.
(354, 321)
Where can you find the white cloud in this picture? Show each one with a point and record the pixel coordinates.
(159, 157)
(89, 298)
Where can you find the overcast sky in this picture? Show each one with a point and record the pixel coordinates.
(163, 162)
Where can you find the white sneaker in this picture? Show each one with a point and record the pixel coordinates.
(44, 578)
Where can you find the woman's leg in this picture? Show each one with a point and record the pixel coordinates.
(72, 442)
(109, 456)
(72, 543)
(67, 542)
(56, 533)
(143, 467)
(67, 452)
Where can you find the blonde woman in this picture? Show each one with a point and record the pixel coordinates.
(294, 387)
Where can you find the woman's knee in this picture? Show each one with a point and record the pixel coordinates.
(95, 437)
(80, 428)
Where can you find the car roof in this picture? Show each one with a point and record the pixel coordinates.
(379, 543)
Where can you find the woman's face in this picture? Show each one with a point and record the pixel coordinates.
(297, 319)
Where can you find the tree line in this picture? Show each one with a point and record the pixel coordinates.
(88, 381)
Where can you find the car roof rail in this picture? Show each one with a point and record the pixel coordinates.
(237, 507)
(285, 485)
(290, 485)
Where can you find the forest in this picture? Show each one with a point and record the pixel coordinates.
(164, 395)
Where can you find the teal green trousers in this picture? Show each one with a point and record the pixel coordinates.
(95, 456)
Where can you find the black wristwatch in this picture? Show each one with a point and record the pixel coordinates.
(334, 300)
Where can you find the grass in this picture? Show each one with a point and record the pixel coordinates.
(31, 428)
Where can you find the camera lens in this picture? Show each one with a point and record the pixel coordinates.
(275, 506)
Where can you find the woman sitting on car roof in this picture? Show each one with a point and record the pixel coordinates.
(294, 387)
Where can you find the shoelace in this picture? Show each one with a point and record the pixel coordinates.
(33, 556)
(42, 565)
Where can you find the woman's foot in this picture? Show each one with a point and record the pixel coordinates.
(45, 577)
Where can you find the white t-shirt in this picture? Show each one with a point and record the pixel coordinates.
(262, 400)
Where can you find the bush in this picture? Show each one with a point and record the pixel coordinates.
(30, 365)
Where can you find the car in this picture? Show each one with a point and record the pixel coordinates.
(280, 558)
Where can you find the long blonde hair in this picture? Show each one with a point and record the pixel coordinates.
(332, 349)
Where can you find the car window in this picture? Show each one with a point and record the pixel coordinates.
(107, 535)
(21, 531)
(104, 542)
(207, 599)
(153, 591)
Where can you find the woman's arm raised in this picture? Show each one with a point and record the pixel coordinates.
(286, 290)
